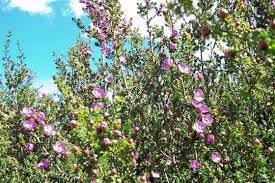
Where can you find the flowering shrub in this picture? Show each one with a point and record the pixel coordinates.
(191, 101)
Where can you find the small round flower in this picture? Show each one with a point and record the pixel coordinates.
(109, 78)
(199, 127)
(195, 164)
(204, 31)
(184, 68)
(28, 112)
(95, 181)
(216, 157)
(60, 148)
(43, 164)
(203, 108)
(30, 147)
(175, 33)
(155, 175)
(74, 123)
(106, 141)
(198, 94)
(41, 117)
(198, 75)
(136, 129)
(98, 92)
(117, 133)
(97, 105)
(167, 64)
(103, 125)
(196, 103)
(201, 136)
(172, 45)
(211, 138)
(29, 125)
(207, 119)
(122, 58)
(49, 130)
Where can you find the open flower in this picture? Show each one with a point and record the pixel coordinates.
(203, 108)
(109, 78)
(49, 130)
(97, 105)
(106, 141)
(30, 147)
(29, 125)
(60, 148)
(99, 92)
(198, 94)
(184, 68)
(172, 45)
(195, 164)
(167, 64)
(207, 119)
(28, 112)
(216, 157)
(44, 164)
(199, 127)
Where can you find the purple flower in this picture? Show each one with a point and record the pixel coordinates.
(29, 125)
(201, 136)
(109, 78)
(103, 125)
(195, 164)
(216, 157)
(122, 58)
(198, 75)
(198, 94)
(102, 35)
(167, 64)
(184, 68)
(44, 164)
(28, 112)
(105, 49)
(95, 181)
(106, 141)
(203, 108)
(196, 104)
(207, 119)
(41, 117)
(175, 33)
(211, 139)
(117, 133)
(155, 175)
(199, 127)
(172, 45)
(30, 147)
(49, 130)
(60, 148)
(97, 105)
(98, 92)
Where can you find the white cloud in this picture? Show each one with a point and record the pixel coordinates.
(46, 86)
(76, 8)
(32, 6)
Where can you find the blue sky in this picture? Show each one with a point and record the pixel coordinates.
(44, 26)
(41, 28)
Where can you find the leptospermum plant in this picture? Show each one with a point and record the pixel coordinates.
(191, 101)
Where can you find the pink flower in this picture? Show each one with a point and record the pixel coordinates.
(195, 164)
(41, 117)
(109, 78)
(44, 164)
(29, 125)
(60, 148)
(97, 105)
(203, 108)
(207, 119)
(106, 141)
(198, 94)
(98, 92)
(155, 175)
(49, 130)
(117, 133)
(199, 127)
(184, 68)
(211, 139)
(167, 64)
(196, 104)
(198, 75)
(216, 157)
(28, 112)
(95, 181)
(30, 147)
(172, 45)
(175, 33)
(103, 125)
(122, 58)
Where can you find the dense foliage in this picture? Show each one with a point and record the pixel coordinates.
(190, 101)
